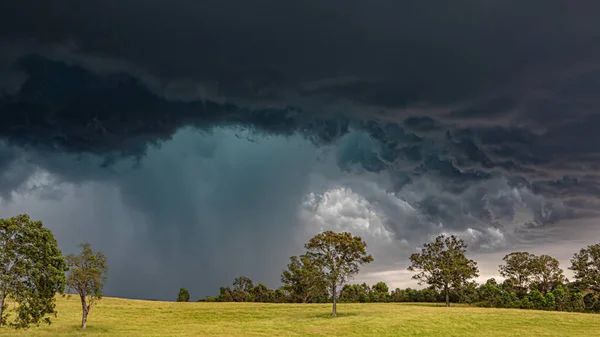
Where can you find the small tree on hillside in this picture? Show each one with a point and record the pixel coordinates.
(184, 295)
(303, 280)
(443, 265)
(586, 267)
(87, 277)
(32, 270)
(339, 257)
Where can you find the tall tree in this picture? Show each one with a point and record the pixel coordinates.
(518, 267)
(443, 265)
(303, 280)
(183, 296)
(547, 273)
(87, 276)
(32, 270)
(586, 267)
(339, 257)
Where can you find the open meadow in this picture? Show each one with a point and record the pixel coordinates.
(122, 317)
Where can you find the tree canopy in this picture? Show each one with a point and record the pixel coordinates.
(183, 296)
(32, 270)
(443, 264)
(303, 280)
(518, 268)
(586, 267)
(338, 256)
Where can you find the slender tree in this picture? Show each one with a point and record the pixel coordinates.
(443, 265)
(303, 280)
(339, 257)
(586, 267)
(32, 270)
(183, 296)
(87, 277)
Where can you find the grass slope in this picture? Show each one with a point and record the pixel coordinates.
(121, 317)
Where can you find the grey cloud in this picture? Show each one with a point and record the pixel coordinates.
(468, 113)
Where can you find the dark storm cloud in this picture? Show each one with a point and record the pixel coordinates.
(493, 102)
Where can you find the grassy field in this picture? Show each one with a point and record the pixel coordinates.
(120, 317)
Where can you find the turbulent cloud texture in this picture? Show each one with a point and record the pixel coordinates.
(196, 141)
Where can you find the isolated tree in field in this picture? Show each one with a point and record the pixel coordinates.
(443, 265)
(518, 267)
(87, 276)
(32, 270)
(586, 267)
(339, 257)
(183, 296)
(547, 273)
(303, 279)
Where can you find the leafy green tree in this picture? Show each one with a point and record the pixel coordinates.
(339, 257)
(183, 296)
(561, 297)
(586, 267)
(380, 292)
(303, 279)
(518, 267)
(443, 265)
(87, 276)
(32, 270)
(224, 295)
(537, 299)
(243, 283)
(547, 273)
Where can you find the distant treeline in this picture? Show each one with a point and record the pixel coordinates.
(562, 297)
(531, 282)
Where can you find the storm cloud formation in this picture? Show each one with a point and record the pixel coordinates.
(213, 137)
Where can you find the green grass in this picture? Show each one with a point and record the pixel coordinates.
(121, 317)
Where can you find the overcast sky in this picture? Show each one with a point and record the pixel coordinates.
(196, 141)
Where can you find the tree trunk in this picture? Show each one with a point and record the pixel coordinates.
(334, 312)
(447, 291)
(2, 298)
(85, 310)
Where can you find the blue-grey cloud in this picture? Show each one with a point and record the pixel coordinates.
(466, 114)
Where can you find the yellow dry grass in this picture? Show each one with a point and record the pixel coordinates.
(122, 317)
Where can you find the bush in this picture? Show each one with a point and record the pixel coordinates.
(537, 299)
(550, 301)
(184, 295)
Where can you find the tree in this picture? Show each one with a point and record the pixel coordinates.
(303, 280)
(519, 269)
(339, 257)
(443, 265)
(586, 267)
(184, 295)
(547, 273)
(32, 270)
(87, 276)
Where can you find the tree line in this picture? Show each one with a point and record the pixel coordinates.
(33, 270)
(530, 281)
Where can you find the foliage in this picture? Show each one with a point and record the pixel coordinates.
(338, 256)
(32, 271)
(547, 273)
(87, 276)
(183, 296)
(518, 269)
(303, 280)
(586, 267)
(443, 265)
